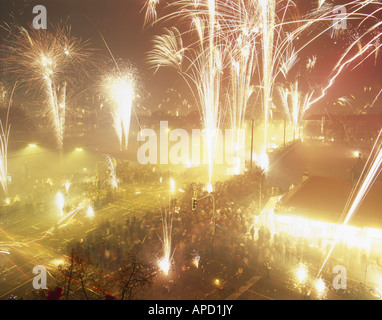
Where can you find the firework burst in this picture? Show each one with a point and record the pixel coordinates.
(45, 61)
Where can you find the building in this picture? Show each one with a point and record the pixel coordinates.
(316, 210)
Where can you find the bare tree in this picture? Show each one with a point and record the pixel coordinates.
(134, 277)
(81, 279)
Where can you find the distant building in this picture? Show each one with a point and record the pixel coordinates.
(315, 210)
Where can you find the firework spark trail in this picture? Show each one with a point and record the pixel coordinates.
(112, 179)
(64, 220)
(4, 136)
(368, 176)
(204, 72)
(295, 104)
(268, 23)
(242, 68)
(376, 98)
(151, 13)
(121, 90)
(165, 262)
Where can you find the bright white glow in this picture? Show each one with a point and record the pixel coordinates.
(121, 90)
(320, 286)
(262, 161)
(67, 185)
(172, 185)
(302, 273)
(90, 212)
(60, 202)
(164, 265)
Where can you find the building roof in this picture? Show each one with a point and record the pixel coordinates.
(325, 198)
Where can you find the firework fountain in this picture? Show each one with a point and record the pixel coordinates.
(204, 70)
(121, 90)
(4, 137)
(295, 105)
(165, 262)
(112, 180)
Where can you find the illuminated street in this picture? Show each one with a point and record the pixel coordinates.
(200, 150)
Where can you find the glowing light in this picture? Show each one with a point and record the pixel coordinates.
(217, 282)
(32, 145)
(196, 260)
(164, 265)
(320, 287)
(165, 262)
(209, 188)
(60, 202)
(262, 161)
(121, 89)
(79, 149)
(90, 212)
(249, 41)
(302, 273)
(368, 177)
(67, 185)
(57, 262)
(172, 185)
(188, 164)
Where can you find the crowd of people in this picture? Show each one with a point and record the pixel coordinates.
(213, 237)
(217, 239)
